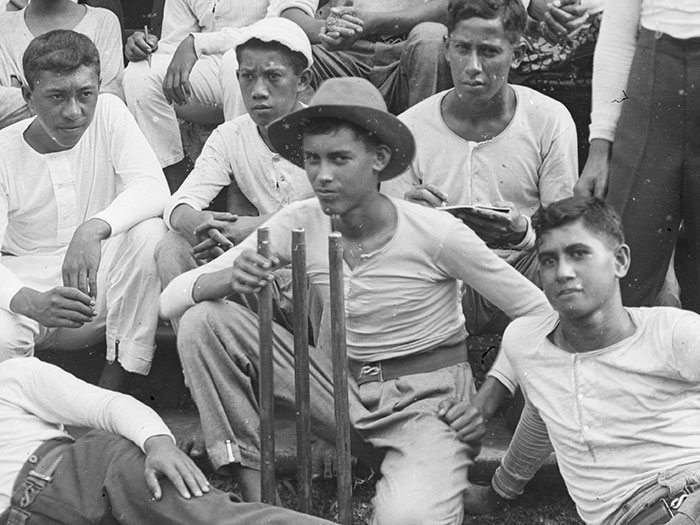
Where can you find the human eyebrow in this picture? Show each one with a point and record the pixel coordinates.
(577, 247)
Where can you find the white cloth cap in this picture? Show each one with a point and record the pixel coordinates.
(282, 30)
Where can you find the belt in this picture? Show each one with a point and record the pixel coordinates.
(422, 363)
(35, 474)
(662, 510)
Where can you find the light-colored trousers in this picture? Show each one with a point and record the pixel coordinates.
(424, 470)
(127, 302)
(143, 89)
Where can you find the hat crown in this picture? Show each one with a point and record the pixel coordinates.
(350, 91)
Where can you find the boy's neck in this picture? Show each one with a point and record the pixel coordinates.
(376, 215)
(44, 7)
(601, 329)
(477, 123)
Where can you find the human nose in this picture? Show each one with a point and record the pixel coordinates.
(473, 62)
(325, 172)
(259, 88)
(71, 109)
(565, 270)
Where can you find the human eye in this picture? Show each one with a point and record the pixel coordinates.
(310, 158)
(85, 95)
(340, 159)
(546, 261)
(490, 51)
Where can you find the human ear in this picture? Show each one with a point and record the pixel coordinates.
(518, 54)
(382, 156)
(445, 47)
(622, 260)
(27, 96)
(304, 80)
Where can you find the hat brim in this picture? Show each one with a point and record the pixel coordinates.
(287, 140)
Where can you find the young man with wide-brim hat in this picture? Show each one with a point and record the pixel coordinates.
(405, 329)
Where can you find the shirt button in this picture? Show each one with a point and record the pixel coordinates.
(580, 396)
(586, 428)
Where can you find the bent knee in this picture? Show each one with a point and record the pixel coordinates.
(16, 336)
(138, 79)
(426, 33)
(146, 235)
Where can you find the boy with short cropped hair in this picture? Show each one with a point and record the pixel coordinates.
(617, 388)
(488, 143)
(403, 270)
(80, 193)
(274, 59)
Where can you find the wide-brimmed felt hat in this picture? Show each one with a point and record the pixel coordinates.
(355, 100)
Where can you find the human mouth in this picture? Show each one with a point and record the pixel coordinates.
(570, 291)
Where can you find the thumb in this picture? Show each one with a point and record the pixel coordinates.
(445, 405)
(153, 484)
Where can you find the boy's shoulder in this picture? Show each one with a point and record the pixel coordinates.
(527, 330)
(539, 105)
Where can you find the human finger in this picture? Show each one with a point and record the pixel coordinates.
(74, 316)
(188, 477)
(220, 240)
(92, 283)
(137, 47)
(75, 294)
(552, 28)
(445, 405)
(330, 39)
(83, 281)
(168, 87)
(153, 484)
(224, 216)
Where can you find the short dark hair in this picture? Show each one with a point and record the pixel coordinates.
(297, 60)
(511, 12)
(596, 215)
(59, 51)
(329, 125)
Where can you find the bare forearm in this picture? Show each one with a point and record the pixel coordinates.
(490, 396)
(184, 219)
(311, 26)
(210, 286)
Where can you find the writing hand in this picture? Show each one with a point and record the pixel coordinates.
(138, 47)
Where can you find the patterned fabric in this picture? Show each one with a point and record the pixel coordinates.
(570, 59)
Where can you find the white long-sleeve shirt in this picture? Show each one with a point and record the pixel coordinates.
(37, 399)
(402, 299)
(616, 46)
(216, 25)
(235, 151)
(111, 174)
(100, 25)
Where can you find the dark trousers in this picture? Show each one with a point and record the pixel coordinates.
(655, 167)
(100, 480)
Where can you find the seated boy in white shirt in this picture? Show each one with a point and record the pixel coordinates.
(80, 193)
(616, 389)
(274, 57)
(488, 143)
